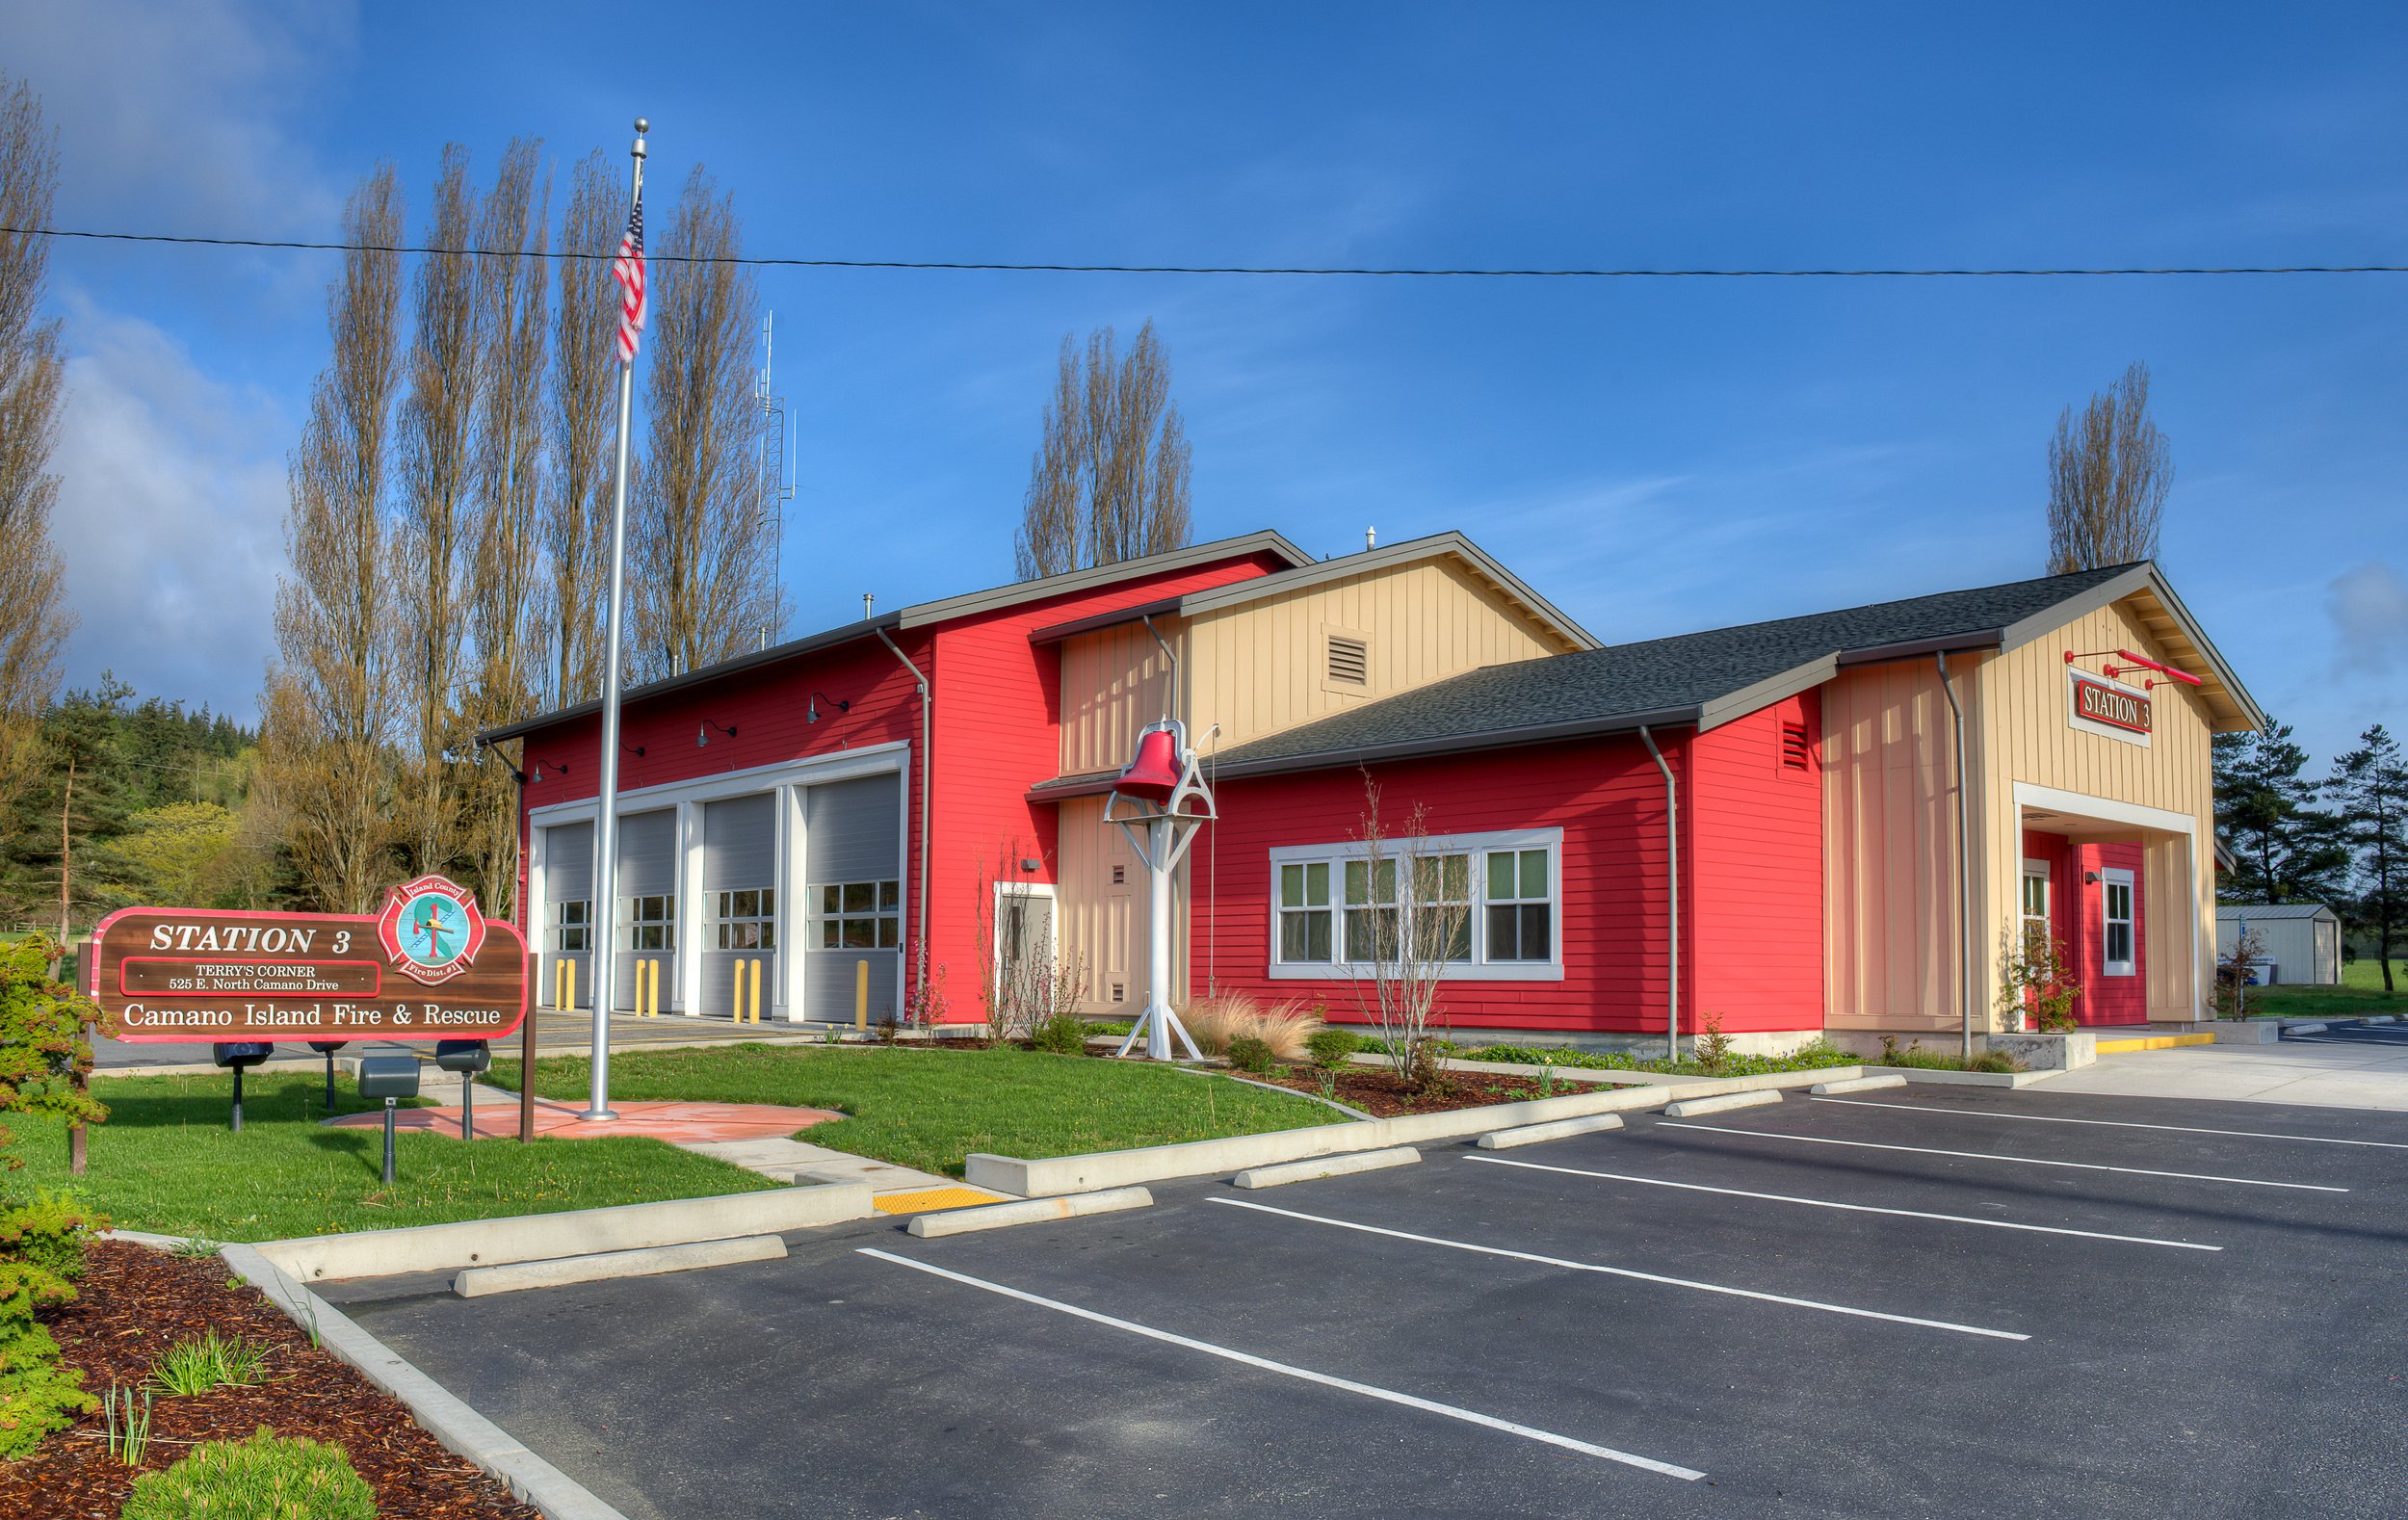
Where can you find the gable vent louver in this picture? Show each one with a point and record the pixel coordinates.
(1350, 660)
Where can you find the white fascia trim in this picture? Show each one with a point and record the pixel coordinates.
(842, 766)
(2105, 809)
(1339, 971)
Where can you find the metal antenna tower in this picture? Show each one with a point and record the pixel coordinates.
(778, 480)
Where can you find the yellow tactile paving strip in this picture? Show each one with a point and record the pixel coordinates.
(927, 1200)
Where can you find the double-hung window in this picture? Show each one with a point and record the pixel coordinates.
(2115, 906)
(1478, 906)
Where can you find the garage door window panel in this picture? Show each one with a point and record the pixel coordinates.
(745, 920)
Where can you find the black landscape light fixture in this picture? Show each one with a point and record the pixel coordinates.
(633, 749)
(240, 1056)
(535, 772)
(811, 713)
(390, 1078)
(702, 735)
(327, 1048)
(467, 1056)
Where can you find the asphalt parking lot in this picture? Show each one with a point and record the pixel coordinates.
(1927, 1300)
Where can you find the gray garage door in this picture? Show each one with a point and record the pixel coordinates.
(648, 905)
(738, 903)
(854, 863)
(567, 928)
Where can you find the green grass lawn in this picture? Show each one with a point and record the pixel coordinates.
(2361, 992)
(166, 1161)
(929, 1108)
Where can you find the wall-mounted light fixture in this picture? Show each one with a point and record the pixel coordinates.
(702, 735)
(633, 749)
(2091, 877)
(484, 748)
(811, 715)
(536, 771)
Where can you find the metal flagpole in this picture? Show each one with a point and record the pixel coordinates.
(603, 915)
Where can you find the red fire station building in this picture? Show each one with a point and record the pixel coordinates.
(1836, 823)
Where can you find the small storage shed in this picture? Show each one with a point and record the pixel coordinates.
(2302, 940)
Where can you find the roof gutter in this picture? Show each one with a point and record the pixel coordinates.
(1487, 739)
(1918, 648)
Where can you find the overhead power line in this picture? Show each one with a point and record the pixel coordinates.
(1001, 267)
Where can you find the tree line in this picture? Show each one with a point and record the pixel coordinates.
(2339, 839)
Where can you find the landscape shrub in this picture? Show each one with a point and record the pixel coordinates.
(41, 1249)
(1249, 1054)
(50, 1230)
(267, 1476)
(1713, 1048)
(1215, 1022)
(1064, 1035)
(1329, 1048)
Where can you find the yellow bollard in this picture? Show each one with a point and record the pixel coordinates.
(757, 992)
(656, 987)
(861, 994)
(560, 969)
(568, 999)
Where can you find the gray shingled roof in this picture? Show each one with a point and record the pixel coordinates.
(1699, 678)
(2230, 912)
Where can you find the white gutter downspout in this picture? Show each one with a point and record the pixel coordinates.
(1964, 871)
(920, 937)
(1672, 856)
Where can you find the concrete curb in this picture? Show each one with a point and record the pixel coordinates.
(1326, 1166)
(572, 1232)
(1028, 1211)
(459, 1427)
(2248, 1032)
(1945, 1078)
(603, 1265)
(1560, 1129)
(1889, 1079)
(1050, 1176)
(2302, 1028)
(1720, 1103)
(1291, 1093)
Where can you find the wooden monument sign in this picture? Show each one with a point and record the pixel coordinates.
(429, 966)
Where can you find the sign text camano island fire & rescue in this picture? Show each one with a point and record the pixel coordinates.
(428, 967)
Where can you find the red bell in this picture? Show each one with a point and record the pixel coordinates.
(1154, 774)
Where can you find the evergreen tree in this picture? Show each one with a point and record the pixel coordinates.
(2289, 850)
(2370, 790)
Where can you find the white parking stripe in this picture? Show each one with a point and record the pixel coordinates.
(1979, 1155)
(1345, 1385)
(2121, 1124)
(1625, 1271)
(1852, 1208)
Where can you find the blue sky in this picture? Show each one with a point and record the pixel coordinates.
(1655, 455)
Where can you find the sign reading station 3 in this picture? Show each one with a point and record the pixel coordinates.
(429, 966)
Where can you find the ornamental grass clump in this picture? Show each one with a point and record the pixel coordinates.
(267, 1476)
(200, 1363)
(1220, 1021)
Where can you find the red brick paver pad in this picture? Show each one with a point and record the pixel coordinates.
(673, 1123)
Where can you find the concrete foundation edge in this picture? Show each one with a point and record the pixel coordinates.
(443, 1415)
(650, 1261)
(572, 1232)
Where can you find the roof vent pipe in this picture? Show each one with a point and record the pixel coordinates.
(1672, 897)
(869, 600)
(1370, 540)
(1964, 868)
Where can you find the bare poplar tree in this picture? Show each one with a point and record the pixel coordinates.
(577, 426)
(432, 521)
(2108, 472)
(702, 581)
(1406, 918)
(34, 618)
(325, 760)
(504, 619)
(1109, 479)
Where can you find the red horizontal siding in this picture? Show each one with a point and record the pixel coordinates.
(1754, 873)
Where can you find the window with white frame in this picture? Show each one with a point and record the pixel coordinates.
(570, 931)
(2036, 897)
(2115, 907)
(1486, 906)
(858, 915)
(650, 922)
(745, 920)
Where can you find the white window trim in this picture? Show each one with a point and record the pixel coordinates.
(2114, 876)
(1550, 969)
(2047, 877)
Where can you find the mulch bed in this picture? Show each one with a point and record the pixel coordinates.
(1383, 1095)
(132, 1305)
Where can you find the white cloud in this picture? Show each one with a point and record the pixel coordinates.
(169, 116)
(169, 518)
(2369, 606)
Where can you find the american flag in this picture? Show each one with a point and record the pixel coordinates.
(628, 270)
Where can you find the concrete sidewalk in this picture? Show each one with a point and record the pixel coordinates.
(2339, 1071)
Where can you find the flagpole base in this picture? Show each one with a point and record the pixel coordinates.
(597, 1115)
